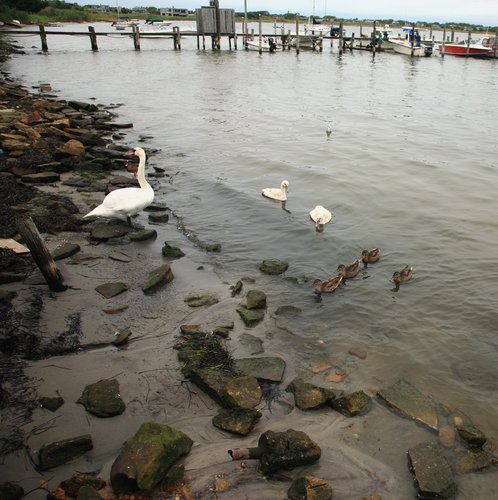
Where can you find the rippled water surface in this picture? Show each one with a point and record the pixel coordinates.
(411, 167)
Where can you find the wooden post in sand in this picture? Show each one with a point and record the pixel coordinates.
(43, 37)
(41, 255)
(93, 38)
(136, 37)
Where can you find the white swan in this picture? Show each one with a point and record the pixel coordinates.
(275, 193)
(320, 216)
(122, 203)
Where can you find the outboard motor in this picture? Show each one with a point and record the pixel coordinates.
(427, 50)
(272, 44)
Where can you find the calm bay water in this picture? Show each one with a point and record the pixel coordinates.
(411, 167)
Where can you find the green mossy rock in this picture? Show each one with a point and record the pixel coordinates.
(147, 457)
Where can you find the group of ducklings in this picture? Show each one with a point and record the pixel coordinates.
(350, 271)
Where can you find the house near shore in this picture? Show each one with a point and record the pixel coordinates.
(174, 12)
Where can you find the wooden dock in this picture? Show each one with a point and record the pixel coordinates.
(229, 32)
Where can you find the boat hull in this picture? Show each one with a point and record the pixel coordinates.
(406, 49)
(463, 50)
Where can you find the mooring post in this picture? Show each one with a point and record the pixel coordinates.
(468, 43)
(136, 37)
(320, 41)
(43, 37)
(203, 42)
(341, 39)
(297, 35)
(351, 42)
(444, 41)
(495, 44)
(452, 36)
(373, 37)
(412, 40)
(41, 255)
(260, 35)
(177, 37)
(93, 38)
(218, 24)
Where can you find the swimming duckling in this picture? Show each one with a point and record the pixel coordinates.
(349, 271)
(406, 274)
(327, 286)
(369, 256)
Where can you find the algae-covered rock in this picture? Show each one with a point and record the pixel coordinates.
(270, 369)
(143, 235)
(73, 485)
(237, 420)
(201, 299)
(431, 471)
(255, 299)
(171, 251)
(109, 290)
(61, 452)
(11, 491)
(287, 310)
(103, 399)
(242, 391)
(51, 403)
(308, 396)
(157, 279)
(283, 450)
(408, 400)
(352, 404)
(309, 487)
(273, 266)
(251, 317)
(147, 456)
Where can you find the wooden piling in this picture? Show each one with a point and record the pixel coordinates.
(93, 38)
(177, 44)
(452, 36)
(43, 37)
(444, 41)
(41, 255)
(374, 36)
(260, 35)
(341, 39)
(136, 37)
(320, 41)
(297, 35)
(412, 41)
(468, 43)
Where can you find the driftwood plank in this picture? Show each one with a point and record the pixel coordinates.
(41, 255)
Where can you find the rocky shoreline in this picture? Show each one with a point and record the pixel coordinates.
(130, 291)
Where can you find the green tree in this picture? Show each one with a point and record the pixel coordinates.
(27, 5)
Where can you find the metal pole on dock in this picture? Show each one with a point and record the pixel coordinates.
(136, 37)
(245, 18)
(43, 37)
(297, 35)
(468, 43)
(93, 38)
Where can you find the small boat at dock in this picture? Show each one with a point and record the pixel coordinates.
(485, 47)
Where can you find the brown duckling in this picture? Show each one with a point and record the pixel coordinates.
(327, 286)
(406, 274)
(349, 271)
(369, 256)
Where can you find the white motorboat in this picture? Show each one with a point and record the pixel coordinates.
(268, 44)
(407, 48)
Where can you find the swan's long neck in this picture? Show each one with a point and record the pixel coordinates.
(141, 172)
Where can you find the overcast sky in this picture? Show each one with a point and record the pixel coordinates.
(473, 11)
